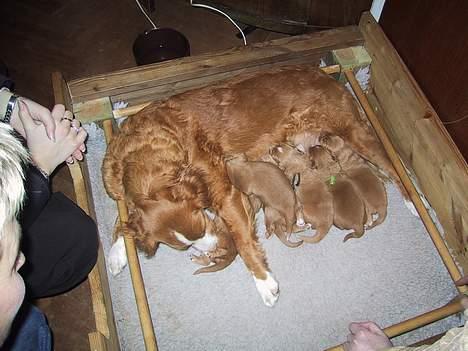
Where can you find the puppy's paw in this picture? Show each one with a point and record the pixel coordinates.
(117, 258)
(300, 222)
(268, 289)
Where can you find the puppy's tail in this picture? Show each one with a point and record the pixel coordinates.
(288, 243)
(217, 266)
(320, 233)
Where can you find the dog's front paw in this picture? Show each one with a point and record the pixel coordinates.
(117, 258)
(268, 289)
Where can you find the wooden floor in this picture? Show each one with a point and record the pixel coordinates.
(82, 38)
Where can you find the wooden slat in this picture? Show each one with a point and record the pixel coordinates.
(138, 284)
(135, 80)
(100, 293)
(97, 342)
(94, 110)
(406, 181)
(420, 138)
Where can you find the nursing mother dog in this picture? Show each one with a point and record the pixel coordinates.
(175, 151)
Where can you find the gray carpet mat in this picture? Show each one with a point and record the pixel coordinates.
(391, 274)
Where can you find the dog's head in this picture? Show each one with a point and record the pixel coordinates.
(175, 224)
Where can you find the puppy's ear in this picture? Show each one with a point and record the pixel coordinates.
(313, 164)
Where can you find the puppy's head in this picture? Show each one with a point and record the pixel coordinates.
(289, 157)
(321, 157)
(333, 143)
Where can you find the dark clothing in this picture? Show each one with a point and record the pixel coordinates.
(29, 332)
(5, 81)
(60, 241)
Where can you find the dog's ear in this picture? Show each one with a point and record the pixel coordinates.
(136, 229)
(198, 223)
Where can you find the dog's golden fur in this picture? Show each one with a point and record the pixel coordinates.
(175, 150)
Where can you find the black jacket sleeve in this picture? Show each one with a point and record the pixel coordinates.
(5, 82)
(37, 196)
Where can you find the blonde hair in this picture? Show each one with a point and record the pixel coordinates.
(13, 157)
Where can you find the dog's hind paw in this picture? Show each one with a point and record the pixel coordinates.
(268, 289)
(117, 258)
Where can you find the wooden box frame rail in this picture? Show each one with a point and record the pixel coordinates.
(407, 125)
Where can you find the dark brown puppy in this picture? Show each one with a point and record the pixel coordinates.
(311, 190)
(369, 187)
(349, 210)
(267, 182)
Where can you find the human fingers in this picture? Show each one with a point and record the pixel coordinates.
(42, 115)
(75, 124)
(57, 112)
(25, 117)
(77, 155)
(78, 135)
(356, 327)
(373, 327)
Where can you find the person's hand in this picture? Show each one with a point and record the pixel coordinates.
(39, 114)
(46, 154)
(366, 336)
